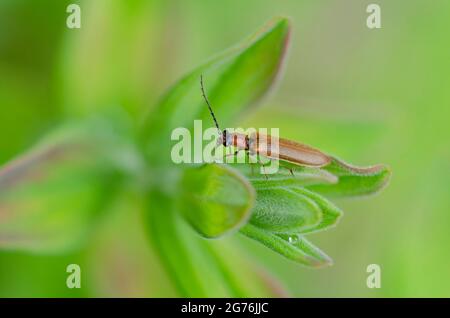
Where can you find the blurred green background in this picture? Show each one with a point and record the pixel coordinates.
(369, 96)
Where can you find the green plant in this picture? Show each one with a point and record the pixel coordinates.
(52, 197)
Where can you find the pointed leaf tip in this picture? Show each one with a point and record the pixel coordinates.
(354, 181)
(293, 247)
(252, 66)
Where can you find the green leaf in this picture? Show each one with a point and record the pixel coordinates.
(300, 176)
(353, 181)
(215, 199)
(51, 196)
(282, 210)
(233, 80)
(330, 213)
(292, 209)
(294, 247)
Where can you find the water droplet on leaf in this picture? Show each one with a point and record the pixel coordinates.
(293, 239)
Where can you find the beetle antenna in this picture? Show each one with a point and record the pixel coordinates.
(207, 103)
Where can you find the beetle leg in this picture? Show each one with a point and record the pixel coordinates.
(292, 172)
(264, 172)
(232, 154)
